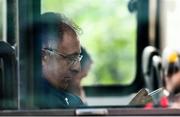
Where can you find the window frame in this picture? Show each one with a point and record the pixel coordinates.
(29, 11)
(109, 112)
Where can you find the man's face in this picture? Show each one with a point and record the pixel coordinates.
(59, 70)
(76, 81)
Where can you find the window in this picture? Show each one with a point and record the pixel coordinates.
(170, 34)
(109, 35)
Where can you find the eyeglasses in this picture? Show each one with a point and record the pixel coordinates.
(72, 59)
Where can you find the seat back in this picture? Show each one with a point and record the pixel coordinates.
(151, 67)
(8, 77)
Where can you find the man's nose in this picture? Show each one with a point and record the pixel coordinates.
(75, 68)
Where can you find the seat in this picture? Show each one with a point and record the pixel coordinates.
(8, 77)
(151, 67)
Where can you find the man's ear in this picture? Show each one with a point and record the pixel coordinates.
(43, 56)
(44, 59)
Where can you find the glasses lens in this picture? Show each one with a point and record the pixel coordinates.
(72, 59)
(80, 57)
(76, 59)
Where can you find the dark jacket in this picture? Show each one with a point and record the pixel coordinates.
(49, 97)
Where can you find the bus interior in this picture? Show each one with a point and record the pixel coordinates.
(125, 38)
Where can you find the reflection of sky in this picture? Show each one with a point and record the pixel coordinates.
(173, 24)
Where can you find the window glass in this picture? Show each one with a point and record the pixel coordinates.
(1, 11)
(109, 35)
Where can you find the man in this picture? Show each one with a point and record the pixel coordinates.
(75, 85)
(60, 61)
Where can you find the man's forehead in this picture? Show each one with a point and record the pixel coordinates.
(69, 45)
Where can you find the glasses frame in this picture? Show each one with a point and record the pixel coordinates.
(72, 59)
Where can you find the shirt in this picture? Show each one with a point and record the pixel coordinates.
(48, 96)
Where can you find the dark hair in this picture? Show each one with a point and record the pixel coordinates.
(51, 27)
(86, 57)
